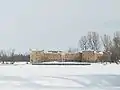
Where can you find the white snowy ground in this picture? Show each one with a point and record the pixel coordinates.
(36, 77)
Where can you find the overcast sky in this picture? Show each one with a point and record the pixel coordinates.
(54, 24)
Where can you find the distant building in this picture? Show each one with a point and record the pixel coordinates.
(36, 56)
(91, 56)
(41, 56)
(73, 57)
(52, 56)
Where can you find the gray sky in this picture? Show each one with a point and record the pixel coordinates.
(54, 24)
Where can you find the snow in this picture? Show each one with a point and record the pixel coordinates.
(100, 52)
(42, 77)
(55, 62)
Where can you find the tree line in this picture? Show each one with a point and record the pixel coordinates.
(9, 56)
(111, 44)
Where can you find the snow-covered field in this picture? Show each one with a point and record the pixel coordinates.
(36, 77)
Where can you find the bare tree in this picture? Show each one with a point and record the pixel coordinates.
(116, 39)
(83, 43)
(107, 42)
(12, 53)
(116, 47)
(93, 41)
(0, 56)
(90, 43)
(3, 56)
